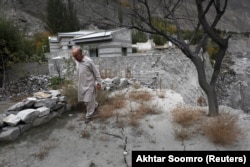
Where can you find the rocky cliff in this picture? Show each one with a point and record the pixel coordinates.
(31, 15)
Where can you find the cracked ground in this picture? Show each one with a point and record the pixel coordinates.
(67, 142)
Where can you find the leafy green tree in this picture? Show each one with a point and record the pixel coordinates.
(14, 47)
(159, 40)
(138, 36)
(41, 42)
(61, 16)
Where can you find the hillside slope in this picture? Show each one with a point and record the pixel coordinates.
(31, 15)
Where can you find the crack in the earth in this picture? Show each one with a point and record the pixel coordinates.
(125, 147)
(114, 135)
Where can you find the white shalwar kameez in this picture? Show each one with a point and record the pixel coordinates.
(88, 75)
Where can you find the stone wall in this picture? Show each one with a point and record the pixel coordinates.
(30, 112)
(160, 69)
(21, 70)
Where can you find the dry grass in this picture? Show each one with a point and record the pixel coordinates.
(140, 95)
(223, 129)
(108, 104)
(186, 116)
(70, 91)
(182, 133)
(105, 112)
(44, 150)
(103, 97)
(141, 112)
(120, 123)
(134, 119)
(85, 134)
(118, 101)
(201, 101)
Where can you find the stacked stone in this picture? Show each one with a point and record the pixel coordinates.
(120, 83)
(114, 83)
(30, 112)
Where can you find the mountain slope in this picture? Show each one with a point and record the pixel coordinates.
(31, 15)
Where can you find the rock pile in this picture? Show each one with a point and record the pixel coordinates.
(30, 112)
(119, 83)
(25, 86)
(43, 106)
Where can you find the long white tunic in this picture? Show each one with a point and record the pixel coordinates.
(88, 75)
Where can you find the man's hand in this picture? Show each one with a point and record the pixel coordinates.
(98, 86)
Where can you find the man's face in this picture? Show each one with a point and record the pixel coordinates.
(78, 56)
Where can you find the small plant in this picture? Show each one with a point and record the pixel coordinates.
(201, 101)
(223, 129)
(140, 95)
(85, 134)
(141, 112)
(103, 97)
(182, 134)
(186, 116)
(106, 112)
(56, 82)
(44, 150)
(118, 101)
(42, 153)
(120, 123)
(134, 119)
(70, 91)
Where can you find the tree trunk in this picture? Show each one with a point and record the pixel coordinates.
(208, 88)
(212, 102)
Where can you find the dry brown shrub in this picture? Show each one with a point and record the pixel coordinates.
(186, 116)
(134, 119)
(105, 112)
(141, 112)
(103, 97)
(118, 101)
(147, 110)
(44, 150)
(85, 134)
(182, 133)
(201, 101)
(70, 91)
(120, 123)
(223, 129)
(140, 95)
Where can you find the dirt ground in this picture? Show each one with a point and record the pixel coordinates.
(66, 141)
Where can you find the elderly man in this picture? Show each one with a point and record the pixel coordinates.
(88, 76)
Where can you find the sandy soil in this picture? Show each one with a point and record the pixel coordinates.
(67, 142)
